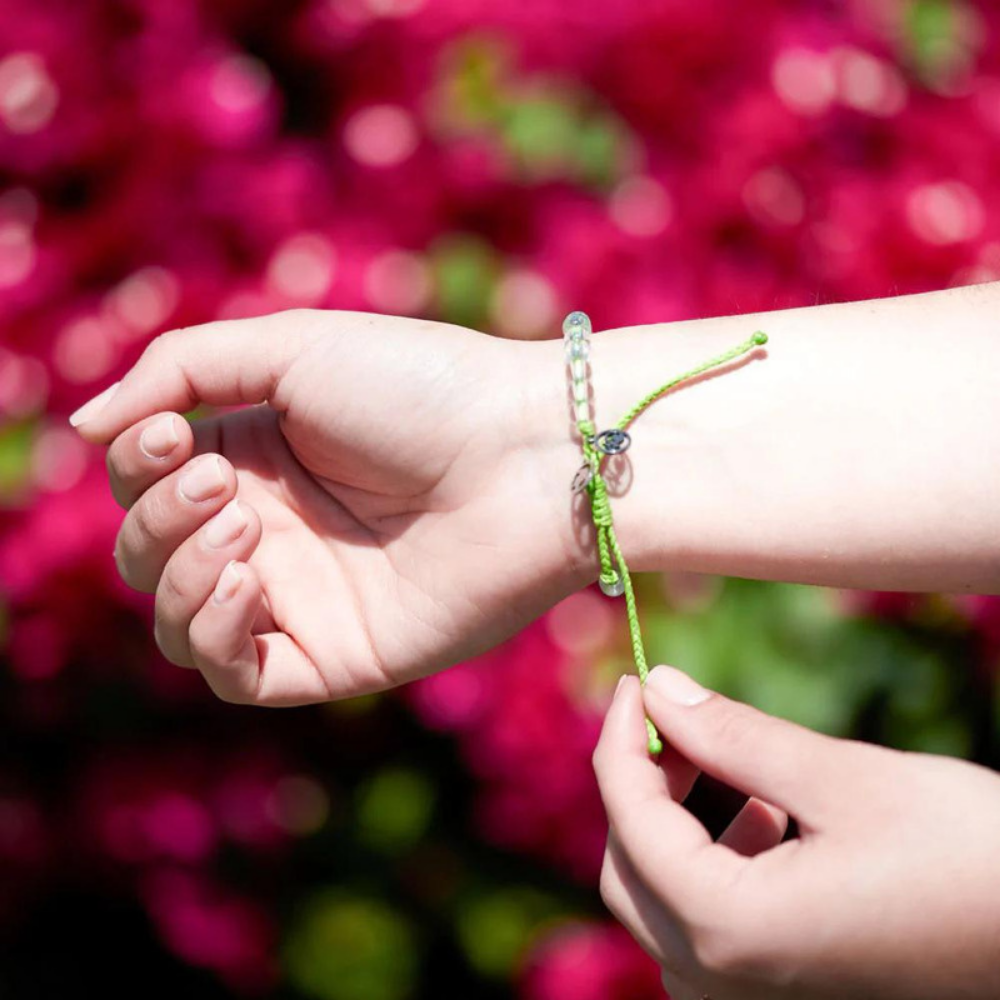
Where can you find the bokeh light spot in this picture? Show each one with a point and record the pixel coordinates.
(945, 213)
(869, 84)
(804, 80)
(347, 947)
(17, 252)
(641, 206)
(523, 305)
(86, 349)
(58, 459)
(394, 809)
(394, 8)
(302, 268)
(24, 385)
(28, 95)
(144, 301)
(398, 282)
(239, 83)
(774, 197)
(581, 624)
(382, 135)
(298, 804)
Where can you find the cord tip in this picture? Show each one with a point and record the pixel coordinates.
(654, 743)
(759, 337)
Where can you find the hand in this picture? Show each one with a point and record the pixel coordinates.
(892, 889)
(392, 514)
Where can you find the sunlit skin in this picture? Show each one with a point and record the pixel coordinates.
(402, 488)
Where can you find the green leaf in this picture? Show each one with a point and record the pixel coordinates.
(394, 809)
(16, 442)
(497, 928)
(348, 947)
(466, 269)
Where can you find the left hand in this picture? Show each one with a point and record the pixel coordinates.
(891, 891)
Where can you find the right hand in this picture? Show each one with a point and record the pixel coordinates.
(402, 513)
(891, 891)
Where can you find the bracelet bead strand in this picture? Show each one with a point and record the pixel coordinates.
(614, 578)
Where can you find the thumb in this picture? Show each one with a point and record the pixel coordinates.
(794, 768)
(222, 363)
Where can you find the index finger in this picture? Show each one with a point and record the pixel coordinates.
(227, 362)
(668, 848)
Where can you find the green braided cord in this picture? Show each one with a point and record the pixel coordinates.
(607, 540)
(756, 340)
(654, 743)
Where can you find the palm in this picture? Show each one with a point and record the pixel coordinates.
(386, 493)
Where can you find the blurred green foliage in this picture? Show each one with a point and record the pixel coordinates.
(351, 947)
(791, 651)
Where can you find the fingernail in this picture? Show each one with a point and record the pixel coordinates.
(203, 480)
(618, 686)
(676, 686)
(159, 439)
(229, 582)
(92, 407)
(226, 526)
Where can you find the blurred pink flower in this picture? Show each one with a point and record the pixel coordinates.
(590, 962)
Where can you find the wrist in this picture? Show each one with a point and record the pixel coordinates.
(667, 491)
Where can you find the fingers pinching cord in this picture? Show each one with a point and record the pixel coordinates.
(666, 846)
(662, 873)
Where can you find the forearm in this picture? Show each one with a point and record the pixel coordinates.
(859, 448)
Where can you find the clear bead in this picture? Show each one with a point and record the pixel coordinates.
(577, 326)
(581, 408)
(615, 589)
(581, 391)
(577, 350)
(578, 369)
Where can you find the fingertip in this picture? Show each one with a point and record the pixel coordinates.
(85, 418)
(230, 581)
(162, 436)
(668, 688)
(625, 710)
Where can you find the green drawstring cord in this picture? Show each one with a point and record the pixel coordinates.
(618, 581)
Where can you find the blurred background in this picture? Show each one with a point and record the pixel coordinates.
(167, 162)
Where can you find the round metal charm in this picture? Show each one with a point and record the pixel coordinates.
(613, 441)
(582, 478)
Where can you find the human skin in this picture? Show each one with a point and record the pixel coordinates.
(891, 891)
(403, 499)
(405, 489)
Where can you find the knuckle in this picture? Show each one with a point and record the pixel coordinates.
(734, 947)
(163, 632)
(599, 758)
(235, 696)
(149, 517)
(718, 950)
(172, 592)
(116, 475)
(162, 344)
(121, 563)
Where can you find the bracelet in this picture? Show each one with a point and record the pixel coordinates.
(614, 578)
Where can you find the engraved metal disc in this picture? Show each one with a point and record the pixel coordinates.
(613, 441)
(582, 478)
